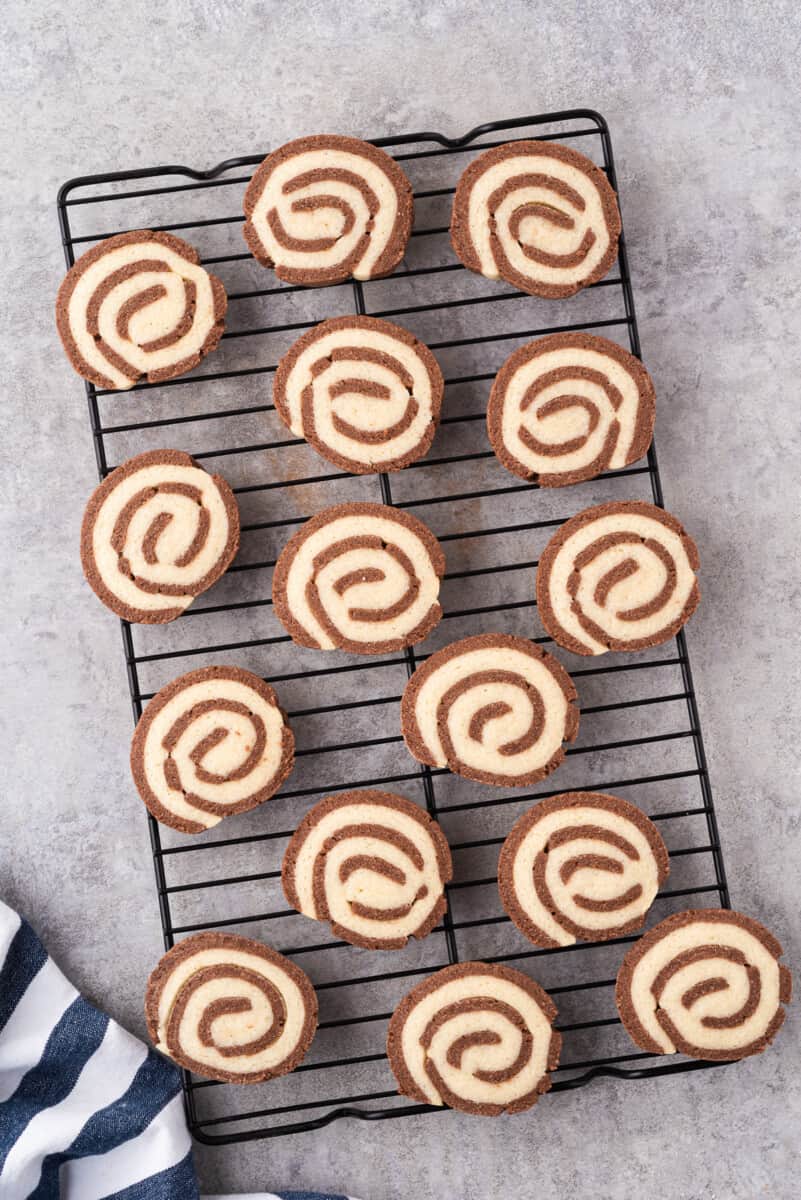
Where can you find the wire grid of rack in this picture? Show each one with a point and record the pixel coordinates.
(640, 732)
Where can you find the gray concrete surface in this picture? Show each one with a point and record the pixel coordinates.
(702, 100)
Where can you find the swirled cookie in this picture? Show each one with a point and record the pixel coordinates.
(229, 1008)
(582, 865)
(211, 743)
(366, 394)
(569, 406)
(322, 209)
(618, 576)
(359, 577)
(475, 1036)
(373, 864)
(707, 983)
(541, 216)
(139, 305)
(157, 532)
(493, 708)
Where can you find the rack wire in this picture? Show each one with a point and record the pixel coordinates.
(640, 733)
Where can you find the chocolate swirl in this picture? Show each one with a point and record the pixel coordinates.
(322, 209)
(619, 576)
(157, 532)
(211, 743)
(492, 708)
(359, 577)
(582, 865)
(541, 216)
(568, 406)
(476, 1037)
(366, 394)
(229, 1008)
(707, 983)
(139, 304)
(372, 864)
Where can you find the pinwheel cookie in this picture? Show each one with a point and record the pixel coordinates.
(322, 209)
(139, 305)
(618, 576)
(366, 394)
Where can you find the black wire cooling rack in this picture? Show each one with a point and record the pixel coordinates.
(640, 733)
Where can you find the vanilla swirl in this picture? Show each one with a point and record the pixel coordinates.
(322, 209)
(372, 864)
(582, 865)
(541, 216)
(211, 743)
(476, 1037)
(707, 983)
(619, 576)
(157, 532)
(229, 1008)
(359, 577)
(568, 406)
(366, 394)
(139, 304)
(493, 708)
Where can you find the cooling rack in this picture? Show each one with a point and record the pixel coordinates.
(640, 733)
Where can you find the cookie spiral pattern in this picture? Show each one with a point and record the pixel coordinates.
(493, 708)
(569, 406)
(541, 216)
(707, 983)
(366, 394)
(211, 743)
(581, 866)
(475, 1036)
(157, 532)
(229, 1008)
(372, 864)
(359, 577)
(322, 209)
(618, 576)
(139, 305)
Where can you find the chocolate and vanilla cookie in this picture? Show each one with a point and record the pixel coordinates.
(493, 708)
(322, 209)
(539, 215)
(568, 406)
(211, 743)
(139, 305)
(359, 577)
(619, 576)
(372, 864)
(707, 983)
(229, 1008)
(475, 1036)
(157, 532)
(366, 394)
(581, 866)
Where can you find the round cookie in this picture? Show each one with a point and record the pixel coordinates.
(211, 743)
(229, 1008)
(157, 532)
(324, 208)
(475, 1036)
(568, 406)
(539, 215)
(581, 866)
(619, 576)
(365, 393)
(139, 305)
(372, 864)
(493, 708)
(359, 577)
(707, 983)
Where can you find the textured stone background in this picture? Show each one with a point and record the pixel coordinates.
(702, 100)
